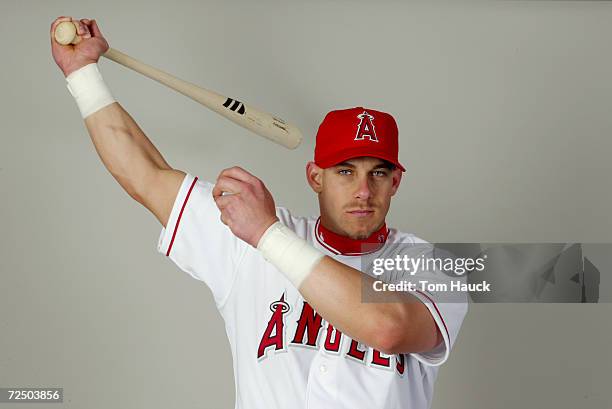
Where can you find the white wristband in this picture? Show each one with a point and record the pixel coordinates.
(88, 89)
(292, 255)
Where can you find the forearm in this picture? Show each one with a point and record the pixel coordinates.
(123, 147)
(335, 293)
(334, 290)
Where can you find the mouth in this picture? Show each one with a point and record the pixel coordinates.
(360, 212)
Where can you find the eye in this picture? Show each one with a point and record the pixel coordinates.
(344, 171)
(379, 173)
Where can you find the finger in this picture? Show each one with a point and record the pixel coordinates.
(95, 29)
(224, 219)
(85, 23)
(82, 29)
(237, 172)
(227, 184)
(79, 26)
(223, 201)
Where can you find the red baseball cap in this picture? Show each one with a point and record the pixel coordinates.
(349, 133)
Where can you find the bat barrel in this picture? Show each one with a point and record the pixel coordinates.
(253, 119)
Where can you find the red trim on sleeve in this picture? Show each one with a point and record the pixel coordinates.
(438, 311)
(180, 215)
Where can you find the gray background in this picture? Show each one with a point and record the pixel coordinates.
(504, 116)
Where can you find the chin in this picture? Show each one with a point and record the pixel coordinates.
(359, 228)
(359, 236)
(363, 231)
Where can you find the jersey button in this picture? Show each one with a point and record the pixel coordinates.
(323, 368)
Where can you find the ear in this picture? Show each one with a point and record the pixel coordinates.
(314, 176)
(396, 174)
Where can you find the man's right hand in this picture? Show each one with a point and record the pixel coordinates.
(72, 57)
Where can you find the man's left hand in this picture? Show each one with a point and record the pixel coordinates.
(247, 207)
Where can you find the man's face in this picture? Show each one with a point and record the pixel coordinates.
(355, 195)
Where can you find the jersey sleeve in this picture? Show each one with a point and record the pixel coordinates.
(448, 317)
(448, 308)
(198, 242)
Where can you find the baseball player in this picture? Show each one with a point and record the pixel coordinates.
(287, 287)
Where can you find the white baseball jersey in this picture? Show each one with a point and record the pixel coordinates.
(285, 355)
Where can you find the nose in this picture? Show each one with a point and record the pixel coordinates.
(363, 190)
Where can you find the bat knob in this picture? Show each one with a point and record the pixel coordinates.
(66, 33)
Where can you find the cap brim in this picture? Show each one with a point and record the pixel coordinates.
(329, 162)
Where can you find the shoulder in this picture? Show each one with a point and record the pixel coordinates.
(300, 225)
(397, 236)
(399, 242)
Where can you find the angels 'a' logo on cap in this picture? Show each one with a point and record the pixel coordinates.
(366, 127)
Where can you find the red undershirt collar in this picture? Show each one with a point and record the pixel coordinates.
(346, 246)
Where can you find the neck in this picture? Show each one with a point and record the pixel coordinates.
(341, 244)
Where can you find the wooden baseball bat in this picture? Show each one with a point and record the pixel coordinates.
(255, 120)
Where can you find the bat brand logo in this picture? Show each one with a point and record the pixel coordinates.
(366, 127)
(234, 105)
(278, 125)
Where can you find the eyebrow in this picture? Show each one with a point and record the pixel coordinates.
(381, 164)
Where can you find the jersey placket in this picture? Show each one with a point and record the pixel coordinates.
(322, 388)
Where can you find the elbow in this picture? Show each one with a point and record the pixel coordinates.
(396, 336)
(390, 337)
(128, 186)
(138, 183)
(135, 195)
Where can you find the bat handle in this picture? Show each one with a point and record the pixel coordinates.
(66, 33)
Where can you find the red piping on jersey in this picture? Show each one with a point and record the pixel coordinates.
(346, 246)
(180, 215)
(438, 311)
